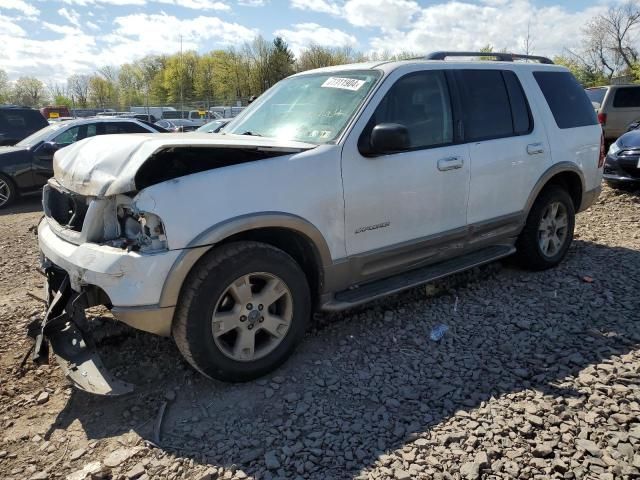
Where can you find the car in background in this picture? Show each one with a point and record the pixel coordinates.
(147, 117)
(54, 112)
(622, 164)
(17, 123)
(60, 119)
(214, 126)
(178, 125)
(28, 165)
(225, 112)
(617, 106)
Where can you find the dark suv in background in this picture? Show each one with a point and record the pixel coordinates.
(17, 123)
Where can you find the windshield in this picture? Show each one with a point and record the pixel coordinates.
(596, 95)
(208, 127)
(312, 108)
(40, 136)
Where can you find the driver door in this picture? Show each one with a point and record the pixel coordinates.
(406, 209)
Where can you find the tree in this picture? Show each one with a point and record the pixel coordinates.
(281, 62)
(78, 86)
(101, 91)
(586, 74)
(316, 56)
(610, 39)
(5, 87)
(59, 94)
(29, 91)
(527, 42)
(130, 83)
(205, 82)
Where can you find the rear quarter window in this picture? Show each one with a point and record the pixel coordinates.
(567, 100)
(628, 97)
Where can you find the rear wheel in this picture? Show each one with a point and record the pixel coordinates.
(548, 233)
(242, 311)
(8, 191)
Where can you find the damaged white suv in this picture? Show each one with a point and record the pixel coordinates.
(337, 186)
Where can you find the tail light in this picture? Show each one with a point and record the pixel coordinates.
(602, 152)
(602, 118)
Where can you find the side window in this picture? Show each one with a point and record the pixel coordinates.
(567, 100)
(522, 120)
(68, 137)
(486, 110)
(122, 127)
(627, 98)
(419, 101)
(130, 127)
(91, 130)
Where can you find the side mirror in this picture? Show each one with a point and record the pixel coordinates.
(389, 138)
(50, 147)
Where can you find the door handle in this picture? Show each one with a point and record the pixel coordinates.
(535, 148)
(451, 163)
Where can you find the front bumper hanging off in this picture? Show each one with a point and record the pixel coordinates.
(64, 328)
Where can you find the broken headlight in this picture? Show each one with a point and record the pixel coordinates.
(140, 230)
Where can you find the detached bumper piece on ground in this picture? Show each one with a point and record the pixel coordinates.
(64, 328)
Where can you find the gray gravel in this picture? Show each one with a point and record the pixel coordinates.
(537, 377)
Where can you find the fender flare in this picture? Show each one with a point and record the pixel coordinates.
(206, 240)
(560, 167)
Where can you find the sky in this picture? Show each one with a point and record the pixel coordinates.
(52, 39)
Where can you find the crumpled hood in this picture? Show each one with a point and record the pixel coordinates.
(107, 164)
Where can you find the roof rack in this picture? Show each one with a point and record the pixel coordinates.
(499, 56)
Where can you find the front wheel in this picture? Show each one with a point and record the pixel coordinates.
(548, 233)
(242, 311)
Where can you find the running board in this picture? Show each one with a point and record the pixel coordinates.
(403, 281)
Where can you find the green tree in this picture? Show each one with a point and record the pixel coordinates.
(101, 91)
(29, 91)
(586, 74)
(281, 63)
(205, 82)
(5, 87)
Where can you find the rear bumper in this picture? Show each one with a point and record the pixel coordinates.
(133, 282)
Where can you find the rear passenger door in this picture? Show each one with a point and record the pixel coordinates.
(508, 150)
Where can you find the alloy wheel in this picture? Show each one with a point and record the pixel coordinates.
(252, 316)
(553, 229)
(5, 192)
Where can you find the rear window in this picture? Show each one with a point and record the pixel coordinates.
(596, 95)
(22, 119)
(566, 98)
(627, 97)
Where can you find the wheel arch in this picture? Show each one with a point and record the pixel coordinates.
(294, 235)
(566, 174)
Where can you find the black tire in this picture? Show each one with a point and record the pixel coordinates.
(205, 287)
(8, 190)
(529, 251)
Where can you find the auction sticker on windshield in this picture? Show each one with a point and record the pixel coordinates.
(343, 83)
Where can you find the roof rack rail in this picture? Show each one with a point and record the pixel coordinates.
(499, 56)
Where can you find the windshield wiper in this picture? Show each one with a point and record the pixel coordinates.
(253, 134)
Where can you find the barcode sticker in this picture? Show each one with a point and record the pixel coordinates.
(343, 83)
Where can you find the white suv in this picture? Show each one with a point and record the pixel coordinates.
(335, 187)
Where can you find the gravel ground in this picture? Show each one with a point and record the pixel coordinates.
(537, 377)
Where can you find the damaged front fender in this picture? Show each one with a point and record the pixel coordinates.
(62, 329)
